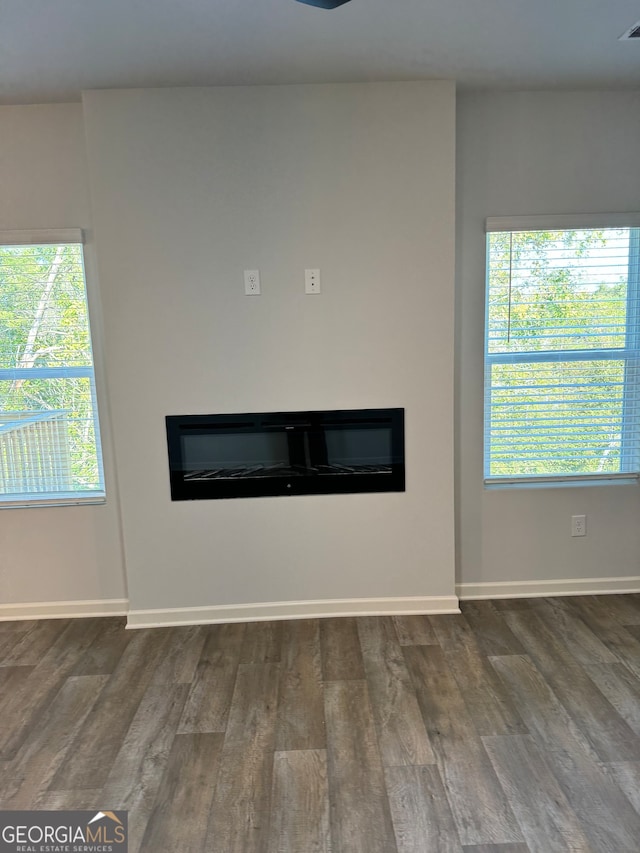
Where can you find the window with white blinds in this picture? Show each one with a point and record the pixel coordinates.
(562, 349)
(49, 432)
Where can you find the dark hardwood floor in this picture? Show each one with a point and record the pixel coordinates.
(513, 727)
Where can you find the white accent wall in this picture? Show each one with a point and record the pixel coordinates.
(61, 554)
(524, 154)
(189, 188)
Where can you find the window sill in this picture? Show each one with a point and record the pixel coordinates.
(23, 502)
(562, 483)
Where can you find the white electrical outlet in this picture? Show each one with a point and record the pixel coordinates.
(312, 281)
(578, 525)
(252, 282)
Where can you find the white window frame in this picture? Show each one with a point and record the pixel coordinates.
(59, 236)
(630, 353)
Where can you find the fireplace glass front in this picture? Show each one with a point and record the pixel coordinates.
(285, 453)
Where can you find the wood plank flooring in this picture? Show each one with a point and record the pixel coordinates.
(513, 727)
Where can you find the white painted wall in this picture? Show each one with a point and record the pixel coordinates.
(189, 188)
(62, 553)
(535, 153)
(192, 186)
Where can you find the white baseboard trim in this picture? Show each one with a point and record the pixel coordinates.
(63, 609)
(538, 589)
(276, 610)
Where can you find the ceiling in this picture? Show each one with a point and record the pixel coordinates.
(52, 49)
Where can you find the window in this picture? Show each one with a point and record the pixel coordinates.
(562, 349)
(49, 434)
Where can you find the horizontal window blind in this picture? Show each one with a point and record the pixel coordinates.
(562, 353)
(49, 432)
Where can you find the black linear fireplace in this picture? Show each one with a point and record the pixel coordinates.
(285, 453)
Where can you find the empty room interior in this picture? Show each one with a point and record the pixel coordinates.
(320, 426)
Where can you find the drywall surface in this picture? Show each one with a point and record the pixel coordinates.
(191, 187)
(535, 153)
(62, 553)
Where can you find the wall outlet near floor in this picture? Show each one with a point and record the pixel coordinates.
(252, 282)
(578, 525)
